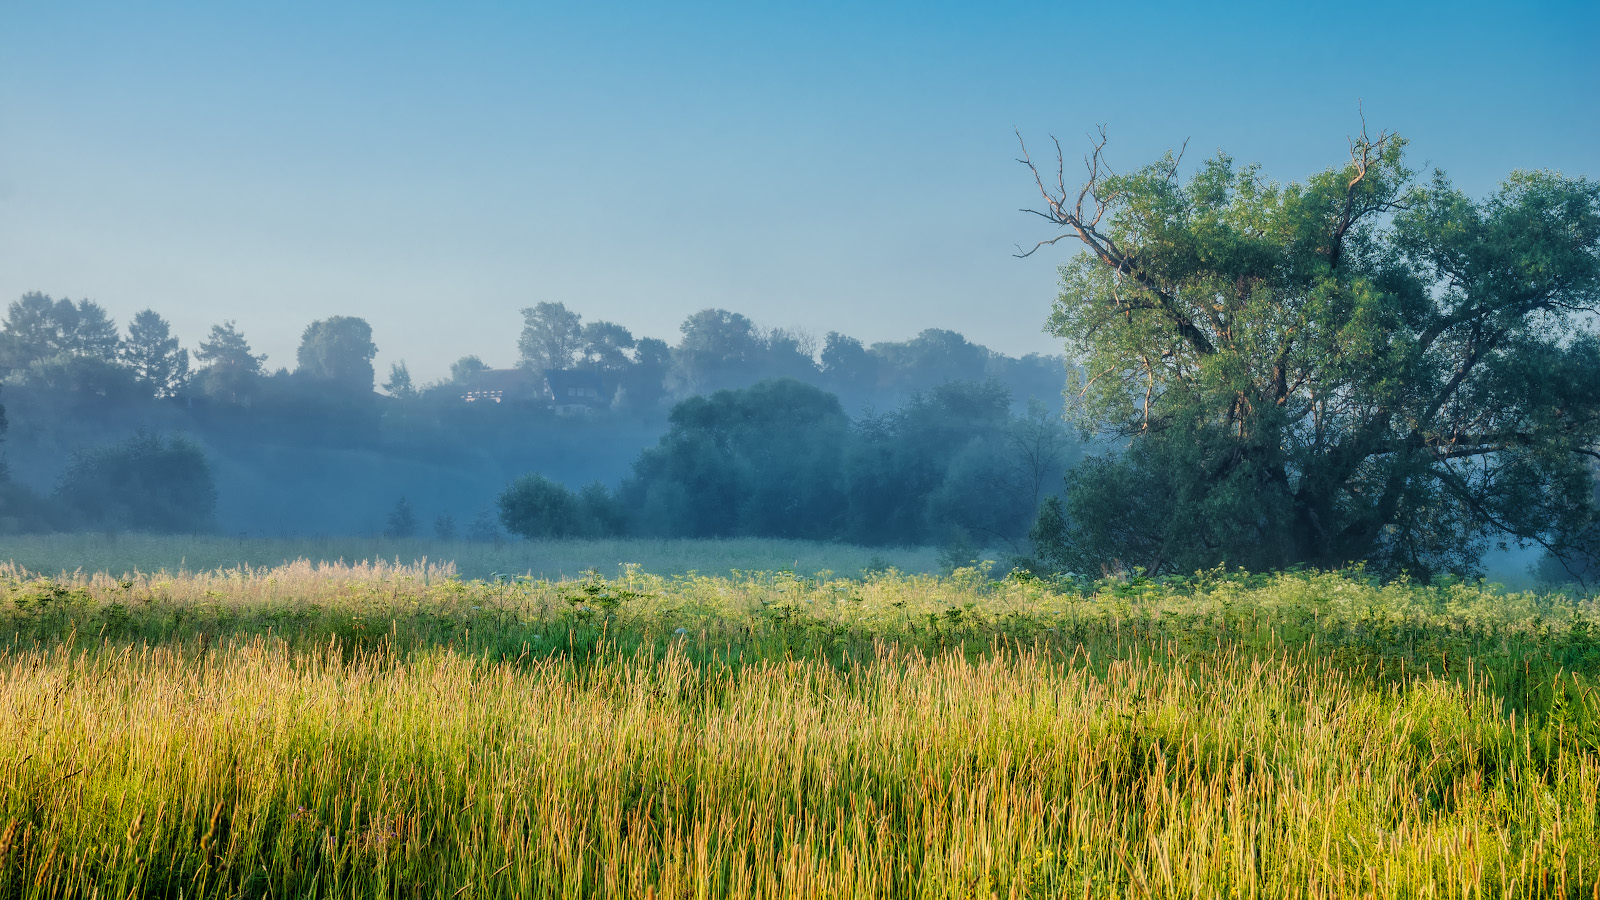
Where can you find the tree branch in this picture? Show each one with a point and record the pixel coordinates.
(1084, 224)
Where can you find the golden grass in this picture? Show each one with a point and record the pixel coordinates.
(398, 732)
(55, 554)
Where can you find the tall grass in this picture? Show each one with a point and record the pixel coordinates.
(394, 732)
(54, 554)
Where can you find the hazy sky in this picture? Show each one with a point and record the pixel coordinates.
(434, 168)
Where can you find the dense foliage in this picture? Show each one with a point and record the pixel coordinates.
(952, 466)
(1356, 367)
(780, 459)
(154, 356)
(534, 507)
(762, 461)
(147, 483)
(338, 352)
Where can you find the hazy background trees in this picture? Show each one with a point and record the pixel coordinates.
(721, 349)
(146, 483)
(38, 327)
(229, 370)
(782, 459)
(66, 347)
(402, 521)
(289, 455)
(464, 369)
(153, 355)
(551, 337)
(762, 460)
(338, 352)
(399, 384)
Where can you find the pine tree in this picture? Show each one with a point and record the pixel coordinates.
(154, 355)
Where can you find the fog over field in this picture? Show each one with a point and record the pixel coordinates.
(114, 432)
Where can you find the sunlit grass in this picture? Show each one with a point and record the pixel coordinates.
(379, 731)
(53, 554)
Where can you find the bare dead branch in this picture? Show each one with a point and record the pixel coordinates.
(1082, 216)
(1045, 243)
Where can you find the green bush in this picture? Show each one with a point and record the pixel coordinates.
(536, 507)
(145, 483)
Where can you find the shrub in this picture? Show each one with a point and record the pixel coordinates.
(145, 483)
(603, 510)
(536, 507)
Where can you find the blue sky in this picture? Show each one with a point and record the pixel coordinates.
(434, 168)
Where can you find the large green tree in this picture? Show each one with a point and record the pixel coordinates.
(1359, 366)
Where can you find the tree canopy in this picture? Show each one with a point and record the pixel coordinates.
(399, 383)
(153, 354)
(782, 459)
(231, 370)
(552, 337)
(38, 327)
(339, 350)
(1361, 366)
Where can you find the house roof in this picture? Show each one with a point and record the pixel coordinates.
(575, 389)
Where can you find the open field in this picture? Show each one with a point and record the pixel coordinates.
(378, 731)
(54, 554)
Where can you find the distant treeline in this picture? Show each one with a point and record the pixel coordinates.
(767, 431)
(75, 348)
(952, 467)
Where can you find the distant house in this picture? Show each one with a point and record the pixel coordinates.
(575, 392)
(503, 386)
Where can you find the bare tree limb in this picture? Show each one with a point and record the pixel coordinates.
(1083, 215)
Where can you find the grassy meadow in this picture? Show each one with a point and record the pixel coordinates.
(116, 554)
(382, 730)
